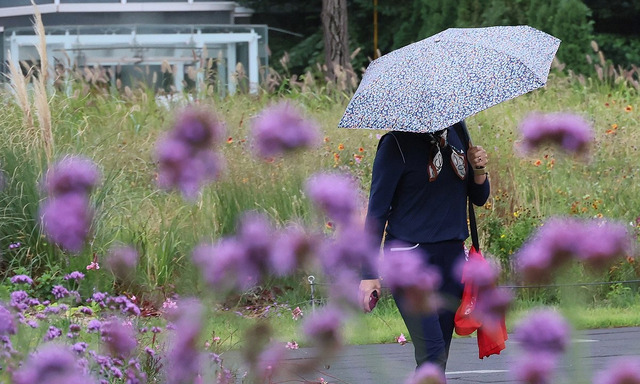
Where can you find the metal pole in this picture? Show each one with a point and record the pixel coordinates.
(375, 29)
(311, 280)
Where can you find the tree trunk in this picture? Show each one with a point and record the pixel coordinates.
(336, 38)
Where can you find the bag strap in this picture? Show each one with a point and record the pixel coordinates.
(463, 133)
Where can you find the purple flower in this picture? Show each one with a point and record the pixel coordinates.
(51, 364)
(602, 242)
(543, 331)
(623, 370)
(293, 248)
(21, 279)
(335, 194)
(323, 328)
(571, 132)
(119, 337)
(15, 245)
(122, 261)
(59, 292)
(8, 324)
(19, 300)
(155, 329)
(282, 128)
(86, 310)
(73, 174)
(197, 127)
(66, 220)
(427, 373)
(238, 262)
(352, 250)
(404, 270)
(269, 361)
(184, 359)
(80, 347)
(558, 240)
(75, 275)
(52, 333)
(186, 159)
(94, 326)
(535, 369)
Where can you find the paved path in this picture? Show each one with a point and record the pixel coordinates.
(391, 363)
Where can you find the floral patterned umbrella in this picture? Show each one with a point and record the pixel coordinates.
(433, 83)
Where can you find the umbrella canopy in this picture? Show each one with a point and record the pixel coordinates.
(433, 83)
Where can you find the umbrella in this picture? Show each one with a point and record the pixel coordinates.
(433, 83)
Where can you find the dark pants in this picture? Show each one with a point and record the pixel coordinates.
(431, 333)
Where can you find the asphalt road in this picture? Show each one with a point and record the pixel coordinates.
(392, 363)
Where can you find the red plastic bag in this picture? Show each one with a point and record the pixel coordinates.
(491, 340)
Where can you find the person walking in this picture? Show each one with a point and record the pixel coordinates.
(418, 200)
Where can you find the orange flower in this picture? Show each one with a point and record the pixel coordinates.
(606, 104)
(360, 149)
(357, 158)
(340, 147)
(326, 139)
(628, 108)
(537, 163)
(229, 140)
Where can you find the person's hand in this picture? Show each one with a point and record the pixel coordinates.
(366, 288)
(477, 157)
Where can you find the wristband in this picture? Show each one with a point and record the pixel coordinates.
(480, 171)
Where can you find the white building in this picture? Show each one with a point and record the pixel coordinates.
(183, 42)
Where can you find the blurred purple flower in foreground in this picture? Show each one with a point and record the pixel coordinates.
(558, 240)
(51, 364)
(282, 128)
(335, 194)
(72, 174)
(186, 157)
(66, 220)
(122, 261)
(119, 337)
(571, 132)
(323, 328)
(66, 214)
(353, 249)
(535, 369)
(543, 331)
(404, 270)
(184, 359)
(623, 370)
(427, 373)
(8, 324)
(293, 248)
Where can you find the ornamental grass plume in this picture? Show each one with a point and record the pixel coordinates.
(335, 194)
(406, 271)
(282, 128)
(186, 156)
(623, 370)
(569, 131)
(52, 364)
(427, 373)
